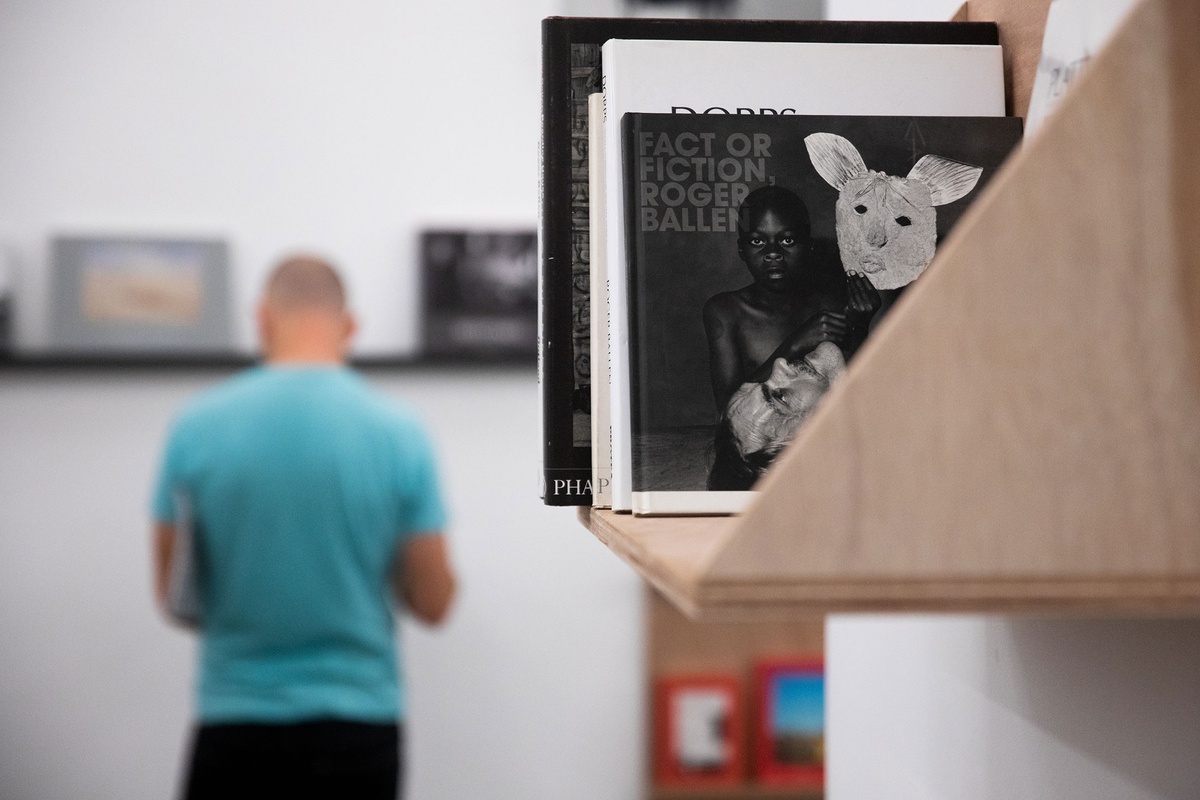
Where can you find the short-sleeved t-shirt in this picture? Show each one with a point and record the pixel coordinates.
(304, 481)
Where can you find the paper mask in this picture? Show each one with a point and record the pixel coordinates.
(887, 226)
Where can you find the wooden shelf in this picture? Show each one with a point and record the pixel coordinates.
(676, 556)
(1022, 434)
(49, 361)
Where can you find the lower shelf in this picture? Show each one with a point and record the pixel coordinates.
(746, 792)
(676, 646)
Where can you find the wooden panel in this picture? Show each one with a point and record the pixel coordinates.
(677, 644)
(1022, 24)
(1184, 32)
(1030, 412)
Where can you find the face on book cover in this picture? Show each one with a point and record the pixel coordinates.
(774, 249)
(764, 417)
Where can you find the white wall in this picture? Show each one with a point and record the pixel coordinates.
(891, 9)
(284, 124)
(995, 708)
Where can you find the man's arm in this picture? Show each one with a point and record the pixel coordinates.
(164, 558)
(423, 579)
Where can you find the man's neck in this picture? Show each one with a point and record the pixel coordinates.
(306, 339)
(302, 359)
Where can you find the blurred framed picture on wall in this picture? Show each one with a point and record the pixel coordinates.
(140, 296)
(699, 731)
(479, 294)
(789, 746)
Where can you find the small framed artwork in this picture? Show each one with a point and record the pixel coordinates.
(790, 736)
(699, 731)
(479, 293)
(140, 296)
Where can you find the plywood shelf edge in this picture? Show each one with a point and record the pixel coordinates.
(1023, 432)
(670, 554)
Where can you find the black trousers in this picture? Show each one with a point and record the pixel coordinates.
(301, 761)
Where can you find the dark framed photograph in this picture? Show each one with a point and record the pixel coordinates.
(790, 736)
(479, 293)
(140, 296)
(699, 731)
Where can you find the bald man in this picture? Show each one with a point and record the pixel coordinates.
(316, 505)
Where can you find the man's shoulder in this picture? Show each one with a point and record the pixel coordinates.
(215, 399)
(271, 392)
(398, 415)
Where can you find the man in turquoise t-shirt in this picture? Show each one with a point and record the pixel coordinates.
(316, 506)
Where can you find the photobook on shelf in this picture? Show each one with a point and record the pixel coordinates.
(758, 267)
(571, 70)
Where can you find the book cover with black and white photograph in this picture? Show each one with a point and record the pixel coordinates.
(767, 79)
(571, 71)
(763, 250)
(479, 293)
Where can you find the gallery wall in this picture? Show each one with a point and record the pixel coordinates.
(277, 125)
(281, 124)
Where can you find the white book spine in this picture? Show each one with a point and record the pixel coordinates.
(598, 276)
(621, 495)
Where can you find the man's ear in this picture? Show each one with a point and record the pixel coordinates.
(828, 360)
(834, 158)
(947, 180)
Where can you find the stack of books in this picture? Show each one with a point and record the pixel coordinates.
(729, 208)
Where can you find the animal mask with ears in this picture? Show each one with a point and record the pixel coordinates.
(887, 226)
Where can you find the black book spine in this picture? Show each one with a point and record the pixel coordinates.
(567, 468)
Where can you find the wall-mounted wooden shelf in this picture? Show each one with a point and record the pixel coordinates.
(748, 792)
(1023, 432)
(677, 555)
(32, 362)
